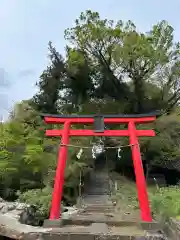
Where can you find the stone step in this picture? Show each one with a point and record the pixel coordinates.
(98, 192)
(99, 231)
(98, 208)
(94, 200)
(103, 177)
(100, 183)
(98, 204)
(86, 228)
(74, 229)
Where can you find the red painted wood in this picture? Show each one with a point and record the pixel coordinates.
(139, 173)
(131, 132)
(140, 133)
(55, 211)
(54, 120)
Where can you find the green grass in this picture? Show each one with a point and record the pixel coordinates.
(165, 202)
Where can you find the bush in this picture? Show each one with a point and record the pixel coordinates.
(40, 199)
(166, 202)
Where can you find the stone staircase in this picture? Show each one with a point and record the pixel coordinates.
(99, 183)
(96, 197)
(97, 218)
(98, 214)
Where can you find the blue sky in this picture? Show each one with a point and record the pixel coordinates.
(26, 26)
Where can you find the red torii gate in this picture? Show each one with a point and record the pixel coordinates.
(98, 121)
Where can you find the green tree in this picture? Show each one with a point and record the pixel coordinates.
(163, 149)
(121, 53)
(109, 68)
(94, 37)
(79, 82)
(50, 83)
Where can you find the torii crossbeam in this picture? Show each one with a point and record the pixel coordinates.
(99, 121)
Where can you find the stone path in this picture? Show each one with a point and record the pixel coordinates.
(96, 219)
(98, 216)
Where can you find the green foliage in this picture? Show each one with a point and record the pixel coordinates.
(108, 68)
(118, 52)
(114, 60)
(164, 147)
(40, 199)
(50, 83)
(28, 159)
(22, 162)
(166, 202)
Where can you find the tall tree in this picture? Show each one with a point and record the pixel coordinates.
(120, 53)
(50, 83)
(95, 38)
(79, 80)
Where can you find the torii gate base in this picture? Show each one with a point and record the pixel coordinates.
(133, 134)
